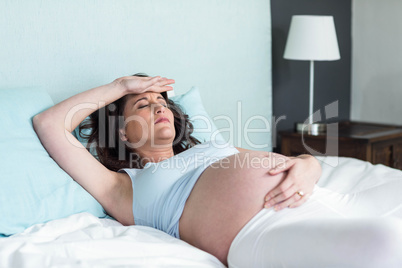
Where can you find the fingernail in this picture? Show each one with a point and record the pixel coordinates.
(267, 205)
(267, 198)
(276, 208)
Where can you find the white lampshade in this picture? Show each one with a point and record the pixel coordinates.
(312, 38)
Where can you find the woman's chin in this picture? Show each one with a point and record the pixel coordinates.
(166, 133)
(164, 138)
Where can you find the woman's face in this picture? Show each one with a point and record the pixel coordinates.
(148, 121)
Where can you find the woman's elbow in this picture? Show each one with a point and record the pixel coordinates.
(37, 122)
(41, 122)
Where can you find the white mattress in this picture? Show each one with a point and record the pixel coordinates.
(83, 240)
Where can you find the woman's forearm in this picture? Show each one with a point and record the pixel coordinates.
(69, 113)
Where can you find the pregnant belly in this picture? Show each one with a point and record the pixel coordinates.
(226, 196)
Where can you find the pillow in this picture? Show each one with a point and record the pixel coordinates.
(204, 127)
(33, 188)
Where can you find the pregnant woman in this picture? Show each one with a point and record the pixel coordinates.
(150, 171)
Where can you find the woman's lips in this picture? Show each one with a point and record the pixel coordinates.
(162, 120)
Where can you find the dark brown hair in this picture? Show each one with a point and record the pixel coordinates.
(104, 140)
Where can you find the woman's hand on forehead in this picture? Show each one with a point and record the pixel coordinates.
(138, 85)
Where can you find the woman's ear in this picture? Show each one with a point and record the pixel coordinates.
(122, 135)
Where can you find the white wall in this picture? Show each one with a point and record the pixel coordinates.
(223, 47)
(377, 61)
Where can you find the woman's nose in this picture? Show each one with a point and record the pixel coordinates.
(159, 108)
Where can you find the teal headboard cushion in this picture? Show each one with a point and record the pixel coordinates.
(33, 188)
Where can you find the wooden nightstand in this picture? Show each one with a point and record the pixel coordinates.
(377, 143)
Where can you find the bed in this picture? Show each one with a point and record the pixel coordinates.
(48, 220)
(38, 233)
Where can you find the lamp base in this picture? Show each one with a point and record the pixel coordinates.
(311, 129)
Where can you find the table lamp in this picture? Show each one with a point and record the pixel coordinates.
(312, 38)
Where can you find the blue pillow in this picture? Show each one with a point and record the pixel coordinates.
(204, 127)
(33, 188)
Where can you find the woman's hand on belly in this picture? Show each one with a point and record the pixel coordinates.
(302, 173)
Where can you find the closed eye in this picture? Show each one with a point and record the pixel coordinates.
(143, 102)
(162, 101)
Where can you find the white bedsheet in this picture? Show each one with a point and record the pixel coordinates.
(83, 240)
(347, 175)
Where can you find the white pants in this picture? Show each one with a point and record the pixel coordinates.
(330, 230)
